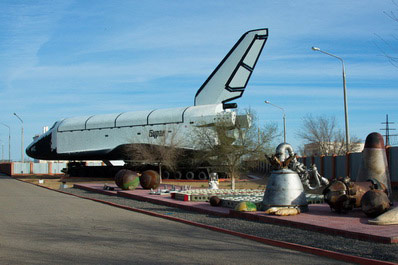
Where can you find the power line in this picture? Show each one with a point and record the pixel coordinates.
(388, 129)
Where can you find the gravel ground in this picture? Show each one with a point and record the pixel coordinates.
(386, 252)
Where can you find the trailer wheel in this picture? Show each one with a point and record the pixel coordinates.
(202, 175)
(166, 174)
(178, 175)
(189, 175)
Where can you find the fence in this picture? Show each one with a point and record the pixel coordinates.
(346, 165)
(19, 168)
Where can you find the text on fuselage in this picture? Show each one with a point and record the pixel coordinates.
(156, 134)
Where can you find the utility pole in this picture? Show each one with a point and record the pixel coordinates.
(347, 127)
(284, 118)
(2, 152)
(22, 140)
(388, 129)
(9, 141)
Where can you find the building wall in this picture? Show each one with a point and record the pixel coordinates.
(312, 148)
(29, 168)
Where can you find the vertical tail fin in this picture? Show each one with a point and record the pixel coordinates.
(228, 81)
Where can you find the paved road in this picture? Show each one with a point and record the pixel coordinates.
(39, 226)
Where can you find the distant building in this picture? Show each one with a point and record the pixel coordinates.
(330, 148)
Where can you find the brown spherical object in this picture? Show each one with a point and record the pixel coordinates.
(343, 195)
(127, 179)
(333, 192)
(336, 195)
(375, 202)
(215, 201)
(357, 190)
(150, 179)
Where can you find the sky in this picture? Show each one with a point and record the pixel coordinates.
(68, 58)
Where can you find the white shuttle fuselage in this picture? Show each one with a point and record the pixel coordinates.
(104, 137)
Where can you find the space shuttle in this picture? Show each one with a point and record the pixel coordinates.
(105, 137)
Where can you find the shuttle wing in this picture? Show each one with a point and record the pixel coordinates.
(228, 81)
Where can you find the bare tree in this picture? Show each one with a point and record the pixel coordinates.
(322, 137)
(386, 47)
(226, 147)
(340, 146)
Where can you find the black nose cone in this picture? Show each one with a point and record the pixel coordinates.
(31, 151)
(41, 148)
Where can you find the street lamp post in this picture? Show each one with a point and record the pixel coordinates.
(2, 151)
(22, 153)
(9, 141)
(284, 119)
(347, 131)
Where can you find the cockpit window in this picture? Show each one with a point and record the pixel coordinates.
(53, 125)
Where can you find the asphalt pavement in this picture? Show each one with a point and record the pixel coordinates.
(40, 226)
